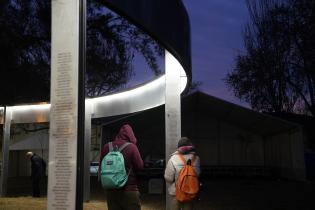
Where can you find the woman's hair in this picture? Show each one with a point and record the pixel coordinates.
(184, 141)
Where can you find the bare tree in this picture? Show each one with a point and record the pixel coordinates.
(25, 34)
(266, 75)
(302, 32)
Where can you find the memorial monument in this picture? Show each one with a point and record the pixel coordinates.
(70, 114)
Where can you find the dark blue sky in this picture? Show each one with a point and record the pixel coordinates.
(216, 38)
(216, 31)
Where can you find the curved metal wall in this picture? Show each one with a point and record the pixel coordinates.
(146, 96)
(166, 21)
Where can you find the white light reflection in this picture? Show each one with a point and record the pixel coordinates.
(27, 108)
(183, 79)
(130, 93)
(140, 98)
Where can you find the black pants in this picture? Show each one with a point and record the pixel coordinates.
(123, 200)
(35, 186)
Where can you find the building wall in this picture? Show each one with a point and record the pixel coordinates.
(218, 143)
(224, 144)
(284, 153)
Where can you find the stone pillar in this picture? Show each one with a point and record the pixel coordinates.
(172, 108)
(62, 177)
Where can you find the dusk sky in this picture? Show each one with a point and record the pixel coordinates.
(216, 38)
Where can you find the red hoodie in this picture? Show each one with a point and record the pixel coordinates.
(131, 155)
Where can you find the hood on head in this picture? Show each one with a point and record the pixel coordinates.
(126, 133)
(186, 149)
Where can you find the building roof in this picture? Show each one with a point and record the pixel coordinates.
(212, 107)
(242, 117)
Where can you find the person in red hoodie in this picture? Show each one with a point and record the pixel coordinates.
(128, 197)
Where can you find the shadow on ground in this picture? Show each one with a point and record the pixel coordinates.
(218, 194)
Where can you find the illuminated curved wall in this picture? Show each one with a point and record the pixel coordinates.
(171, 30)
(146, 96)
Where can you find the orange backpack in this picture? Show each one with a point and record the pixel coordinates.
(187, 184)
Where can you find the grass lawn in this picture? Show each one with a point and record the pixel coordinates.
(29, 203)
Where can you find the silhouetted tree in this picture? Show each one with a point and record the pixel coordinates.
(111, 45)
(24, 51)
(269, 75)
(25, 30)
(303, 56)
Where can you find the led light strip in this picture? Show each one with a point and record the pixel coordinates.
(146, 96)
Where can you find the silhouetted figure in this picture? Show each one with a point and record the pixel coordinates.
(38, 171)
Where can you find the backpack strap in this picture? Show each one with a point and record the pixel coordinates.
(123, 146)
(110, 146)
(182, 158)
(192, 160)
(121, 149)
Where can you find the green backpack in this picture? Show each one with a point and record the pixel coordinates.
(113, 172)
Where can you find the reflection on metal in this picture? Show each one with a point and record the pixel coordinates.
(87, 151)
(5, 152)
(1, 115)
(30, 113)
(171, 29)
(141, 98)
(172, 103)
(146, 96)
(172, 108)
(166, 21)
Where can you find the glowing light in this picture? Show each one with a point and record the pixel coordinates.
(146, 96)
(183, 79)
(130, 93)
(26, 108)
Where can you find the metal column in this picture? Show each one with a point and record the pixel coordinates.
(172, 108)
(81, 106)
(87, 151)
(5, 151)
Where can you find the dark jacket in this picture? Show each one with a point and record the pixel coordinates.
(133, 160)
(38, 167)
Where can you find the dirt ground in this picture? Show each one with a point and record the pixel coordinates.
(219, 194)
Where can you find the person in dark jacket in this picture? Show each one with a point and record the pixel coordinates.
(128, 197)
(38, 167)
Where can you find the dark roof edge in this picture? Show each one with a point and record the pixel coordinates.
(203, 94)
